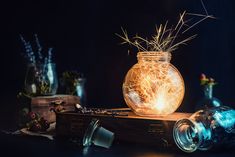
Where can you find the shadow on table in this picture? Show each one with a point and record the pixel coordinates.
(11, 145)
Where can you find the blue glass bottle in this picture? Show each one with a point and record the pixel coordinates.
(208, 100)
(205, 129)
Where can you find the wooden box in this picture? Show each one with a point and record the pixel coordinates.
(128, 127)
(43, 105)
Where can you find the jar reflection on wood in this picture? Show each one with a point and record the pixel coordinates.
(41, 79)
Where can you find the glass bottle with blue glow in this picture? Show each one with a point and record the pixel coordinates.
(80, 89)
(208, 100)
(205, 129)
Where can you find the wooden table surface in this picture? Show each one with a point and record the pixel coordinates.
(12, 145)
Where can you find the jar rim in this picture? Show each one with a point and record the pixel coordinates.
(159, 55)
(153, 52)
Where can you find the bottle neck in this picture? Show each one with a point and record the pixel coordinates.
(208, 91)
(158, 56)
(205, 128)
(189, 135)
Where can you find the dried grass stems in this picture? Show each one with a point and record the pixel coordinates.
(165, 38)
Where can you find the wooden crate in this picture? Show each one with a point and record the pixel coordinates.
(156, 131)
(43, 105)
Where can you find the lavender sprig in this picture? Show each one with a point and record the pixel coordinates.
(50, 54)
(37, 58)
(39, 47)
(29, 51)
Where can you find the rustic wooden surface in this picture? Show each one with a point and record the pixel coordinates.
(42, 105)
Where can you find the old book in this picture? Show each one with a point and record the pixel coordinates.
(126, 126)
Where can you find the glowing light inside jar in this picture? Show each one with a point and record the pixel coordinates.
(160, 101)
(151, 92)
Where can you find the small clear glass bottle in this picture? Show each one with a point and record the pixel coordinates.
(206, 128)
(80, 90)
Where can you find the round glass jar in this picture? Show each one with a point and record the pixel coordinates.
(41, 79)
(153, 86)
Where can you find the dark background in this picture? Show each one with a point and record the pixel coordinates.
(83, 36)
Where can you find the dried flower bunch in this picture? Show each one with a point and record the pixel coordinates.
(36, 57)
(33, 121)
(165, 38)
(205, 81)
(70, 80)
